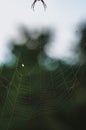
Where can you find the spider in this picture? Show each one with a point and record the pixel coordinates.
(45, 6)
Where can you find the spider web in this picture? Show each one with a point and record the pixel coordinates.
(31, 91)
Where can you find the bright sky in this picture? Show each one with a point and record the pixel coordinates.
(62, 15)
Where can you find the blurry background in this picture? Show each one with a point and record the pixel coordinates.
(37, 92)
(38, 89)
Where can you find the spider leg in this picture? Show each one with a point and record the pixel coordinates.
(45, 6)
(33, 5)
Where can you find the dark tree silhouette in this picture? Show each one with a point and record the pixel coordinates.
(32, 97)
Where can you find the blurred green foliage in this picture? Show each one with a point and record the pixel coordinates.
(33, 98)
